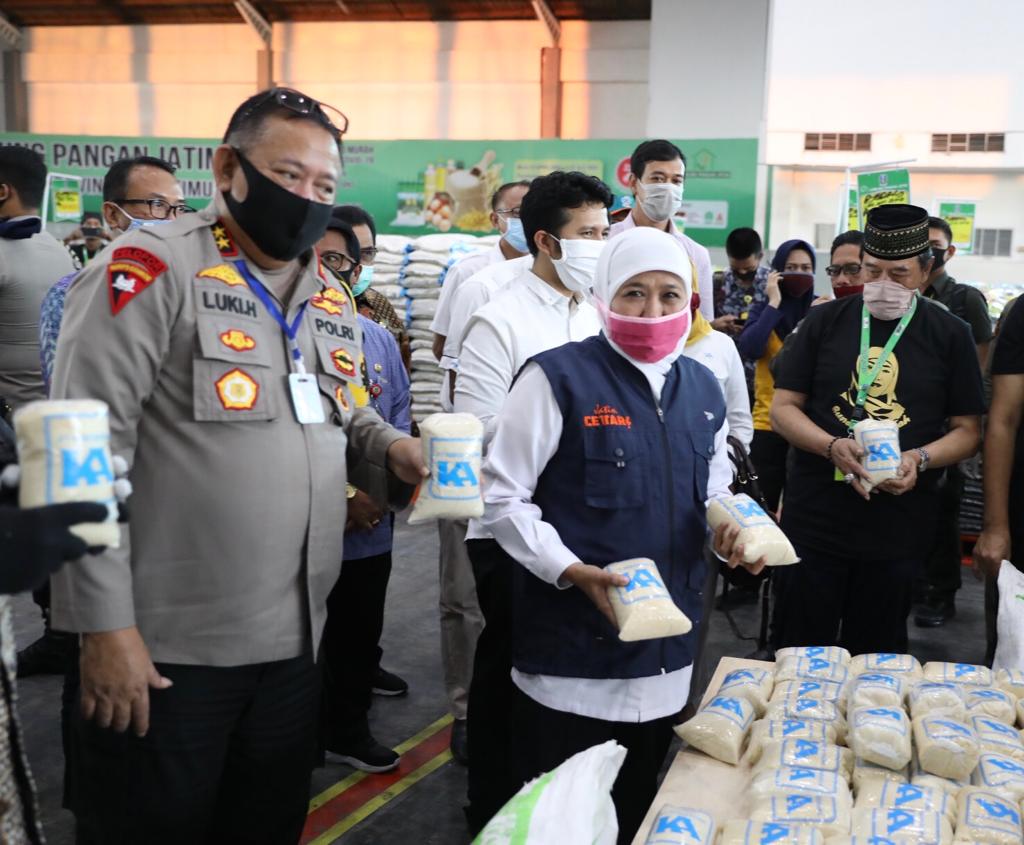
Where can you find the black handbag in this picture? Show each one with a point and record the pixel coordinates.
(744, 481)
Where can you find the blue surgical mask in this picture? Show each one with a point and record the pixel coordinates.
(136, 223)
(515, 236)
(365, 278)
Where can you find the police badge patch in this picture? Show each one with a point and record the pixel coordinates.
(131, 271)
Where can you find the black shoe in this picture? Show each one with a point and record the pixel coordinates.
(52, 654)
(934, 613)
(388, 683)
(459, 745)
(367, 755)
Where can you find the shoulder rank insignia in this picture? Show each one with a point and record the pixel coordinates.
(222, 273)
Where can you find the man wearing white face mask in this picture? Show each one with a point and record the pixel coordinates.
(565, 217)
(505, 205)
(657, 174)
(887, 354)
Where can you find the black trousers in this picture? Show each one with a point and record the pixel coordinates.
(350, 649)
(861, 605)
(543, 738)
(227, 759)
(943, 564)
(492, 780)
(768, 451)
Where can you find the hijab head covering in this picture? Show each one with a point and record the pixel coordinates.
(641, 250)
(793, 308)
(785, 248)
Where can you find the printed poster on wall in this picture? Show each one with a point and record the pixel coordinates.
(884, 187)
(960, 216)
(419, 187)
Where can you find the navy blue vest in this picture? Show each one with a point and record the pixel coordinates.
(628, 480)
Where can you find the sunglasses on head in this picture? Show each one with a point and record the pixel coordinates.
(295, 101)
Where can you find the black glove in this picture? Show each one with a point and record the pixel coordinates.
(35, 543)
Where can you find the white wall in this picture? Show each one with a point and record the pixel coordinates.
(466, 79)
(803, 198)
(900, 70)
(707, 62)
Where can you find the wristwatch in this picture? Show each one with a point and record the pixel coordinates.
(350, 491)
(925, 457)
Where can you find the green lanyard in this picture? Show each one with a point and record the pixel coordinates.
(866, 379)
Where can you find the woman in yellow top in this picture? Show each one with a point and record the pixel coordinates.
(790, 291)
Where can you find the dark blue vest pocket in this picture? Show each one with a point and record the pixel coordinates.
(703, 440)
(614, 474)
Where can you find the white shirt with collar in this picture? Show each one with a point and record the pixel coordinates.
(717, 351)
(527, 318)
(472, 294)
(453, 279)
(699, 255)
(523, 444)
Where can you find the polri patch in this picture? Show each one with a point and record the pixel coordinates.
(131, 271)
(238, 340)
(343, 362)
(237, 390)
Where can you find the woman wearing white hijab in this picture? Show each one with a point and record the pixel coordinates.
(607, 450)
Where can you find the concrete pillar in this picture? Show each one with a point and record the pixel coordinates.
(15, 93)
(551, 92)
(264, 69)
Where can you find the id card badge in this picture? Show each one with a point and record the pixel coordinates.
(305, 392)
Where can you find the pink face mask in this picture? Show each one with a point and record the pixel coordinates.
(646, 339)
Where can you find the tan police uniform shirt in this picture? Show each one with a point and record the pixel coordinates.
(28, 269)
(238, 511)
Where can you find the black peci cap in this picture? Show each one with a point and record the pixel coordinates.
(896, 231)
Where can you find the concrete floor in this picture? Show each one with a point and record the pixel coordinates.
(430, 812)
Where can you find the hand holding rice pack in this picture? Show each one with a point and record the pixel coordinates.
(759, 535)
(880, 440)
(452, 450)
(64, 453)
(643, 608)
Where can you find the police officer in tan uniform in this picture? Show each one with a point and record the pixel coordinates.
(228, 362)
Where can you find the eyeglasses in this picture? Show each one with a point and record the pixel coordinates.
(850, 270)
(330, 117)
(159, 209)
(367, 254)
(508, 212)
(337, 261)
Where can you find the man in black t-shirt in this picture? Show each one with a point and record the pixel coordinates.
(1003, 528)
(860, 552)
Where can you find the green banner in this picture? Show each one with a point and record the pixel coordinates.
(960, 217)
(884, 187)
(64, 198)
(853, 210)
(417, 187)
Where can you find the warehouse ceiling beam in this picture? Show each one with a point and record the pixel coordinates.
(550, 73)
(544, 14)
(264, 57)
(11, 38)
(260, 25)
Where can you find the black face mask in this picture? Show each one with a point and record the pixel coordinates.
(280, 223)
(746, 276)
(342, 275)
(939, 255)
